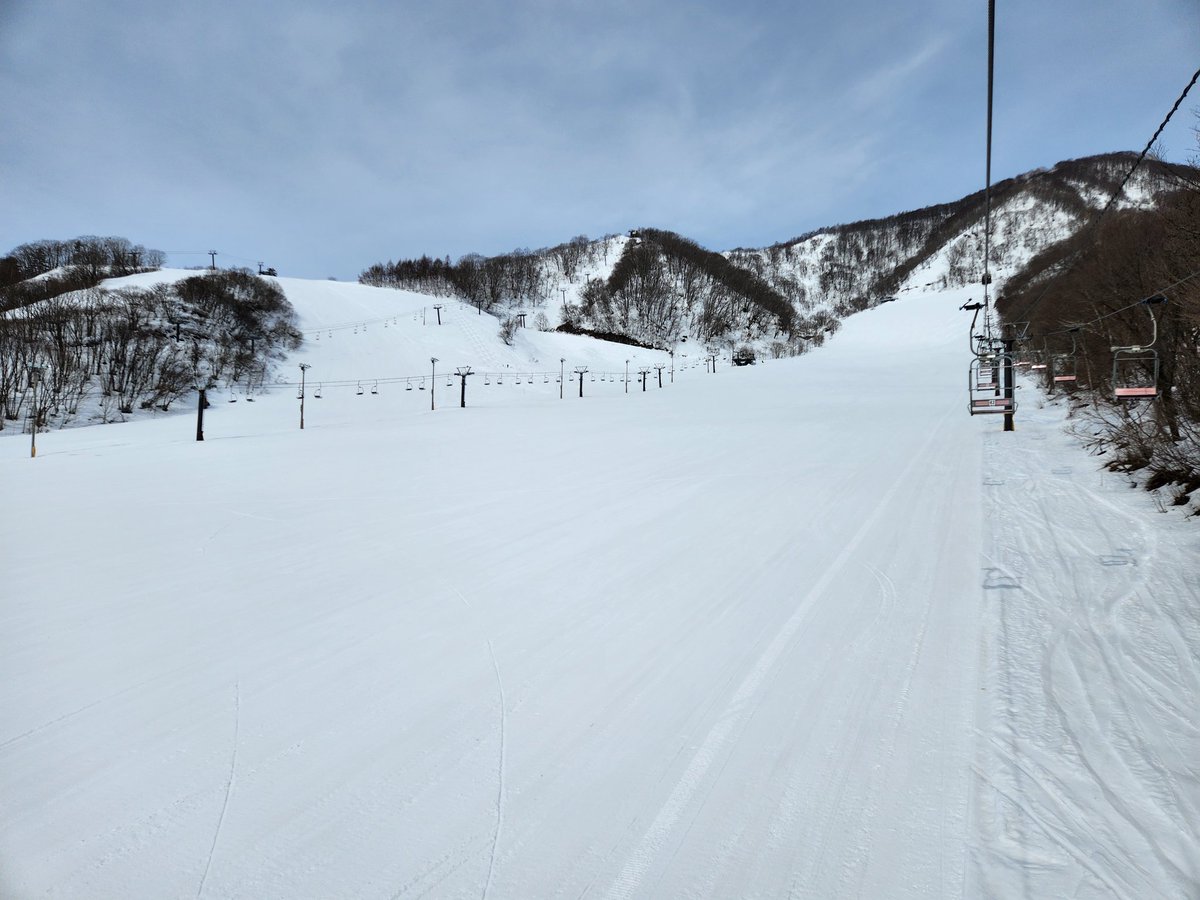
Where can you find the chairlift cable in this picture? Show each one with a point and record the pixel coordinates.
(1095, 220)
(987, 191)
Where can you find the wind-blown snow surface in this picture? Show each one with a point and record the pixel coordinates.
(804, 629)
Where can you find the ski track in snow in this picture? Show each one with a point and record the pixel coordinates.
(770, 632)
(648, 849)
(499, 774)
(1133, 832)
(237, 719)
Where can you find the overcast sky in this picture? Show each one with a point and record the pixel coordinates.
(322, 137)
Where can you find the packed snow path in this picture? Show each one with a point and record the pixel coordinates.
(773, 632)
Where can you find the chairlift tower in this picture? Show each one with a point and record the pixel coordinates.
(462, 372)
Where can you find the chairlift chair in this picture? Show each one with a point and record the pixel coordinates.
(375, 388)
(1135, 373)
(1135, 368)
(985, 400)
(317, 394)
(408, 384)
(359, 392)
(1064, 371)
(987, 374)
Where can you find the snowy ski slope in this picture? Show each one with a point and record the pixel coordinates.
(804, 629)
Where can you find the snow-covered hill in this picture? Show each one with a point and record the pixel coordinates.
(799, 629)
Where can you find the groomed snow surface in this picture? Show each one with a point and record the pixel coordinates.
(805, 629)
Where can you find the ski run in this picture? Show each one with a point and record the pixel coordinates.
(801, 629)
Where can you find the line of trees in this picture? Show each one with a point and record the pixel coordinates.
(665, 286)
(104, 353)
(1087, 282)
(43, 269)
(522, 277)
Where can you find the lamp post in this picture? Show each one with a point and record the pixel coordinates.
(562, 371)
(627, 376)
(35, 378)
(304, 367)
(432, 381)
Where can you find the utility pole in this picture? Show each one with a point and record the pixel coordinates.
(304, 367)
(462, 372)
(627, 376)
(213, 254)
(562, 371)
(581, 370)
(432, 382)
(35, 378)
(644, 371)
(659, 370)
(672, 367)
(438, 307)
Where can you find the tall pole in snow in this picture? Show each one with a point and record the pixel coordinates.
(1008, 385)
(562, 371)
(627, 376)
(581, 370)
(304, 367)
(35, 378)
(432, 381)
(462, 372)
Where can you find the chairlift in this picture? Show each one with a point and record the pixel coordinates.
(984, 400)
(359, 392)
(546, 379)
(1064, 365)
(408, 384)
(987, 373)
(1135, 368)
(233, 398)
(421, 386)
(486, 378)
(449, 381)
(375, 388)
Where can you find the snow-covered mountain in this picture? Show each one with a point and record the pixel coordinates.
(820, 277)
